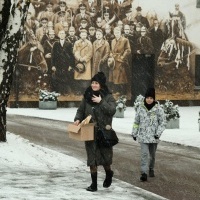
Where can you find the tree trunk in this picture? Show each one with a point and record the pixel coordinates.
(12, 18)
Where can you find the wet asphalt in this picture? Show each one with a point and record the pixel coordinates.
(177, 168)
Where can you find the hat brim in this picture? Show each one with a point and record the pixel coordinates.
(79, 67)
(111, 63)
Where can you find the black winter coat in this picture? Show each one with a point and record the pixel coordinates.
(104, 112)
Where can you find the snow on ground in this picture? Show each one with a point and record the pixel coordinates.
(32, 172)
(29, 171)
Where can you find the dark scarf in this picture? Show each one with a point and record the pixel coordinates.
(149, 106)
(89, 94)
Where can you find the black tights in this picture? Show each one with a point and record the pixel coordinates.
(93, 168)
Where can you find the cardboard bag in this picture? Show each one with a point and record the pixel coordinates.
(83, 132)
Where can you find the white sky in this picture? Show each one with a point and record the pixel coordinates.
(29, 171)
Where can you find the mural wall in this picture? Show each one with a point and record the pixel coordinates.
(137, 44)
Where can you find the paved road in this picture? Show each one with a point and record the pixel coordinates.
(177, 167)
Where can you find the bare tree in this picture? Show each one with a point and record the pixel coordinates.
(12, 18)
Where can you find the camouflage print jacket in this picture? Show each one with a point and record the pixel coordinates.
(148, 124)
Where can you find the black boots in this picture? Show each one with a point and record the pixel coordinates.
(93, 186)
(151, 173)
(143, 177)
(108, 180)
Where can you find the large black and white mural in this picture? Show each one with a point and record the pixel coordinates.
(136, 43)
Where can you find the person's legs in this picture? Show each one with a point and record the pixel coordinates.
(93, 186)
(144, 160)
(109, 174)
(152, 153)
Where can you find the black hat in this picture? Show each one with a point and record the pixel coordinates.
(80, 67)
(150, 93)
(84, 21)
(111, 62)
(62, 3)
(100, 78)
(138, 8)
(82, 5)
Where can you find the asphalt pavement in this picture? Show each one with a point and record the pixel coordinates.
(177, 167)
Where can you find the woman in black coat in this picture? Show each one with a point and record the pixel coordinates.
(98, 102)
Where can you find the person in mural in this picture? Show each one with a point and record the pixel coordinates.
(62, 62)
(49, 29)
(179, 15)
(50, 26)
(144, 64)
(48, 46)
(81, 15)
(66, 28)
(108, 36)
(98, 23)
(56, 7)
(129, 16)
(106, 19)
(66, 13)
(146, 61)
(120, 51)
(72, 38)
(176, 24)
(148, 126)
(101, 51)
(90, 6)
(120, 25)
(92, 10)
(47, 13)
(144, 43)
(137, 31)
(157, 38)
(83, 25)
(139, 18)
(112, 7)
(29, 25)
(60, 25)
(31, 65)
(41, 31)
(92, 34)
(131, 38)
(83, 54)
(132, 25)
(98, 102)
